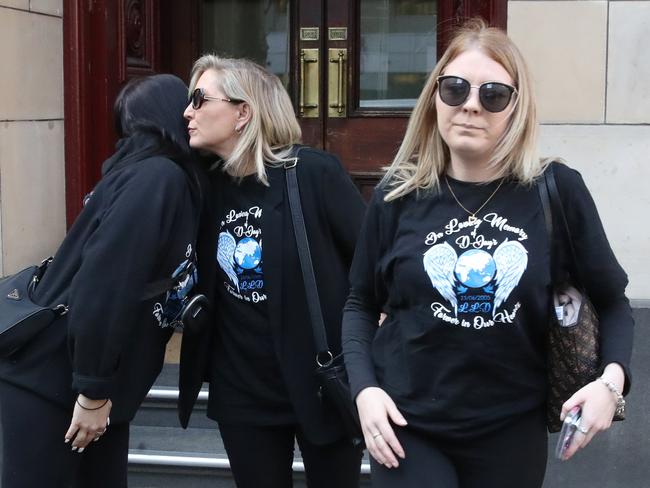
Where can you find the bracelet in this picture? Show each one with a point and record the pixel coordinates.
(96, 408)
(620, 401)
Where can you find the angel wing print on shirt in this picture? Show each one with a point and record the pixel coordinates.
(439, 262)
(511, 260)
(226, 256)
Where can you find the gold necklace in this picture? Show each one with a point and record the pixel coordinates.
(472, 215)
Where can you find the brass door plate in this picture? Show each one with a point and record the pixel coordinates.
(309, 34)
(337, 33)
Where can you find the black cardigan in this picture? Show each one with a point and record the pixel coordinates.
(333, 210)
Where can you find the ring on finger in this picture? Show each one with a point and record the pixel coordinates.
(378, 434)
(580, 428)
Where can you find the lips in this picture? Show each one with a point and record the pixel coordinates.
(468, 126)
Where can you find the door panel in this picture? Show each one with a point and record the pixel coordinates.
(397, 51)
(392, 46)
(308, 35)
(253, 29)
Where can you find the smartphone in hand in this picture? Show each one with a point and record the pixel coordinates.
(569, 427)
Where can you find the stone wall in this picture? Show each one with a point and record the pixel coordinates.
(32, 172)
(592, 77)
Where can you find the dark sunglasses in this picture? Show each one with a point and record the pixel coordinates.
(198, 96)
(494, 96)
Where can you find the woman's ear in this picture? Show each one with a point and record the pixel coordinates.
(244, 115)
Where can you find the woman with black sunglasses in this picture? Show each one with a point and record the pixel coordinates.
(454, 251)
(121, 270)
(261, 363)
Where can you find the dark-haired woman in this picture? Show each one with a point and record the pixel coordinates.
(137, 229)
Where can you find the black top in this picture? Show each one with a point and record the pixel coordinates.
(137, 227)
(463, 349)
(333, 210)
(247, 384)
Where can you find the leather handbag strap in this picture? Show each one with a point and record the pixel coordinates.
(558, 209)
(302, 243)
(542, 188)
(552, 204)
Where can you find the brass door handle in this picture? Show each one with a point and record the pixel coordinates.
(309, 68)
(337, 82)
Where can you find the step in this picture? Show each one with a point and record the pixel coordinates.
(195, 457)
(163, 454)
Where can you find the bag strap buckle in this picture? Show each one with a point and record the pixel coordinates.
(291, 163)
(328, 358)
(61, 309)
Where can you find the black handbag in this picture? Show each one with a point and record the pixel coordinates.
(573, 337)
(330, 369)
(20, 318)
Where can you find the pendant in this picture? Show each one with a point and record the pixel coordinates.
(471, 219)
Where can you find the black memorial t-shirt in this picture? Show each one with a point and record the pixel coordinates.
(462, 347)
(248, 382)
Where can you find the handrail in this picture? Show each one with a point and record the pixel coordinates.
(172, 394)
(204, 462)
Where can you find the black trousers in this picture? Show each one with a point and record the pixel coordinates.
(513, 457)
(34, 454)
(261, 457)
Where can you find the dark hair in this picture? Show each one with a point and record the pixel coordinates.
(154, 105)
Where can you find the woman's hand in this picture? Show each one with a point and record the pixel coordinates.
(598, 405)
(89, 422)
(376, 410)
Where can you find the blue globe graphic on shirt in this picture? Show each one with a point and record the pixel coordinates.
(475, 268)
(248, 253)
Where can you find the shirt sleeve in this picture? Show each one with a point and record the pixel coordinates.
(118, 260)
(365, 301)
(604, 278)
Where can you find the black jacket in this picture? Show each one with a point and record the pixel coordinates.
(333, 211)
(134, 230)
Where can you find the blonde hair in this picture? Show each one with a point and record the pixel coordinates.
(423, 155)
(272, 128)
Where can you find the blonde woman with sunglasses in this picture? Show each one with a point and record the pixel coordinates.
(261, 362)
(454, 250)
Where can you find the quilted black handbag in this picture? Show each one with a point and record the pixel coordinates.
(330, 370)
(573, 338)
(20, 318)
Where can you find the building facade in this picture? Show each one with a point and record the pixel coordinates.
(590, 68)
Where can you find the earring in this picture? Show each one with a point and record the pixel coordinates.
(238, 129)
